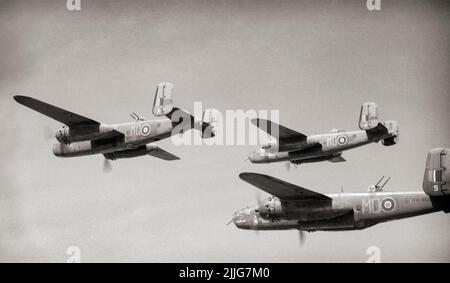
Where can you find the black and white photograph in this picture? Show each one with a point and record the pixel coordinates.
(240, 132)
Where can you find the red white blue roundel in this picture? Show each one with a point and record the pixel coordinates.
(342, 140)
(388, 204)
(145, 131)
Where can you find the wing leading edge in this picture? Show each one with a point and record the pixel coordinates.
(66, 117)
(75, 121)
(283, 134)
(281, 189)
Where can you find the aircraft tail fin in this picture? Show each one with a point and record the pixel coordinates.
(163, 104)
(368, 117)
(436, 179)
(181, 120)
(387, 132)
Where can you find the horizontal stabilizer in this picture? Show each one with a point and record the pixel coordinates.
(183, 121)
(281, 189)
(378, 132)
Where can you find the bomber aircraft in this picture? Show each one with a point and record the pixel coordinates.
(288, 145)
(81, 136)
(294, 207)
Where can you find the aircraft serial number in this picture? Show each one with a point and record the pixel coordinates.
(248, 272)
(230, 273)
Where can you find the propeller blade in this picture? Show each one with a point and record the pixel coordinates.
(48, 133)
(107, 165)
(232, 218)
(258, 197)
(302, 237)
(288, 165)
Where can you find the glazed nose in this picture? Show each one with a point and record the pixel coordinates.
(240, 221)
(57, 150)
(253, 156)
(59, 135)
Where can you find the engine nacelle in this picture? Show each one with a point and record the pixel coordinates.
(271, 146)
(67, 135)
(63, 134)
(393, 129)
(270, 209)
(436, 180)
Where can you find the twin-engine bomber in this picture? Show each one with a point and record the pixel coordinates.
(288, 145)
(294, 207)
(83, 136)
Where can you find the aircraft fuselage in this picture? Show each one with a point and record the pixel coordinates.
(345, 211)
(317, 148)
(136, 134)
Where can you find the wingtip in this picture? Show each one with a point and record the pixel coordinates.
(245, 175)
(254, 121)
(21, 98)
(258, 121)
(18, 97)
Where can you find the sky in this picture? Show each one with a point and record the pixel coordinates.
(314, 61)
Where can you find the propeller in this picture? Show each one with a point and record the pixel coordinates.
(288, 165)
(232, 217)
(255, 231)
(107, 167)
(48, 133)
(301, 237)
(258, 201)
(258, 197)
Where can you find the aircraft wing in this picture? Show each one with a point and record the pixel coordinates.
(281, 189)
(161, 153)
(284, 134)
(66, 117)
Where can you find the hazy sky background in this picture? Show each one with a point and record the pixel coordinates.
(315, 61)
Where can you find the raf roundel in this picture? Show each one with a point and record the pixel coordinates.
(388, 204)
(342, 140)
(145, 130)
